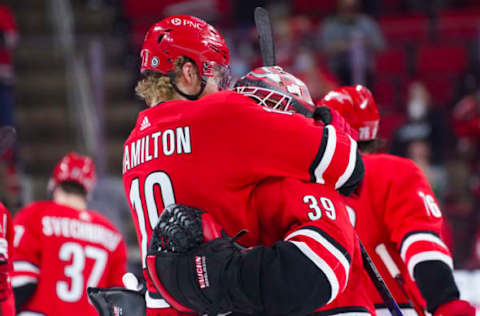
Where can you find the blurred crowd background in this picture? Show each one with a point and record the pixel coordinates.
(68, 67)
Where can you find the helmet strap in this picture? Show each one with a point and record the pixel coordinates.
(191, 97)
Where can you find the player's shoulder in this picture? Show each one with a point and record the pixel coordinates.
(38, 206)
(225, 102)
(226, 95)
(4, 210)
(218, 103)
(287, 185)
(389, 161)
(31, 211)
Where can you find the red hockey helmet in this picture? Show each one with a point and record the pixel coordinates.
(358, 108)
(76, 168)
(185, 35)
(277, 89)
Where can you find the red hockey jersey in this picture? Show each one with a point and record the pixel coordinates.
(211, 153)
(318, 224)
(64, 251)
(396, 211)
(7, 305)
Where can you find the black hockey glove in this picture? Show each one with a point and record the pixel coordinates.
(188, 272)
(323, 114)
(117, 301)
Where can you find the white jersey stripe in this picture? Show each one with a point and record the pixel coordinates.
(29, 313)
(21, 280)
(322, 265)
(327, 155)
(325, 243)
(351, 314)
(419, 237)
(428, 256)
(352, 160)
(405, 311)
(24, 266)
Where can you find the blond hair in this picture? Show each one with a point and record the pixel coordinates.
(156, 87)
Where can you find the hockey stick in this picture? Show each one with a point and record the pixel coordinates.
(392, 268)
(7, 138)
(379, 282)
(265, 36)
(267, 46)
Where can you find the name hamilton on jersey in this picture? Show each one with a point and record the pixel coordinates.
(151, 146)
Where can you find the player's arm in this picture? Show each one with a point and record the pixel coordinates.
(7, 301)
(291, 145)
(26, 256)
(323, 246)
(261, 279)
(415, 223)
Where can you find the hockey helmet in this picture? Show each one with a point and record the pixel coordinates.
(185, 35)
(74, 167)
(277, 89)
(358, 108)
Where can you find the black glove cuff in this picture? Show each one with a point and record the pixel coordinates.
(322, 113)
(436, 283)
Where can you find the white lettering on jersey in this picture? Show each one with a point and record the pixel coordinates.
(167, 142)
(72, 228)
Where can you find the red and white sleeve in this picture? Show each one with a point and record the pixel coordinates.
(414, 219)
(26, 252)
(326, 253)
(290, 145)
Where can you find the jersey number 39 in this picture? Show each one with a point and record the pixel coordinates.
(316, 211)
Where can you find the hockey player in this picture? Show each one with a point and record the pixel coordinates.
(398, 219)
(61, 247)
(302, 246)
(7, 302)
(208, 149)
(277, 95)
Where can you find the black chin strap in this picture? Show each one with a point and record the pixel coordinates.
(191, 97)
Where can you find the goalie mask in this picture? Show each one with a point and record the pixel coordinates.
(277, 89)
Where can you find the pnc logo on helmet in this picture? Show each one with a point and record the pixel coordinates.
(154, 62)
(185, 22)
(176, 21)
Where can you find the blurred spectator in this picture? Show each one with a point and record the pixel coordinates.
(466, 117)
(350, 40)
(424, 121)
(8, 41)
(420, 151)
(458, 208)
(466, 123)
(317, 78)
